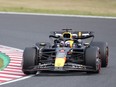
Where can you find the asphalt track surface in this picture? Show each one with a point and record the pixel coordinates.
(21, 31)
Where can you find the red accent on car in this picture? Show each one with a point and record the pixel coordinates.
(62, 50)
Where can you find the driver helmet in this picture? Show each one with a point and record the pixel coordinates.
(67, 35)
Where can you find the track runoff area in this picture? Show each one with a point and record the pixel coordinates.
(13, 72)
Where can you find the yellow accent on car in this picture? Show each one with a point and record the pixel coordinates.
(71, 43)
(59, 62)
(79, 34)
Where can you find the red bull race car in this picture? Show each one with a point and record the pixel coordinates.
(70, 51)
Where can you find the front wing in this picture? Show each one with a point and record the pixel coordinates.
(67, 67)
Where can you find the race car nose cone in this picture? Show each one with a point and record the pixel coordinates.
(59, 62)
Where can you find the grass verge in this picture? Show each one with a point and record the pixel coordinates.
(52, 11)
(77, 7)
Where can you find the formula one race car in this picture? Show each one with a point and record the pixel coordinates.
(70, 51)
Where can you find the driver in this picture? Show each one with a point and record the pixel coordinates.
(68, 43)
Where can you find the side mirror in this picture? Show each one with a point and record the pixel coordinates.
(42, 44)
(86, 44)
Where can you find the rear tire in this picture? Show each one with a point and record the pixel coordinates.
(92, 58)
(29, 60)
(104, 51)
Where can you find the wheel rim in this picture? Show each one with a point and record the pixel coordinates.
(98, 64)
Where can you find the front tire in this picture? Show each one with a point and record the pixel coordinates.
(29, 60)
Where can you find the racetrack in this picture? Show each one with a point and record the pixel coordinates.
(21, 31)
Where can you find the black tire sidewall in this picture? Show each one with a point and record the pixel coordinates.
(29, 60)
(103, 47)
(91, 54)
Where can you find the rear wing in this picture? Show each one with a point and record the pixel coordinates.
(84, 34)
(75, 34)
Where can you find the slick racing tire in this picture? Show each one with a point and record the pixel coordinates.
(92, 59)
(29, 59)
(104, 51)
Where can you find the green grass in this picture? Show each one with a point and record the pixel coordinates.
(51, 11)
(77, 7)
(1, 63)
(4, 61)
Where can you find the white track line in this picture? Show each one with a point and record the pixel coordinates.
(15, 58)
(14, 61)
(18, 57)
(13, 55)
(16, 76)
(11, 72)
(14, 64)
(16, 80)
(5, 79)
(14, 67)
(57, 15)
